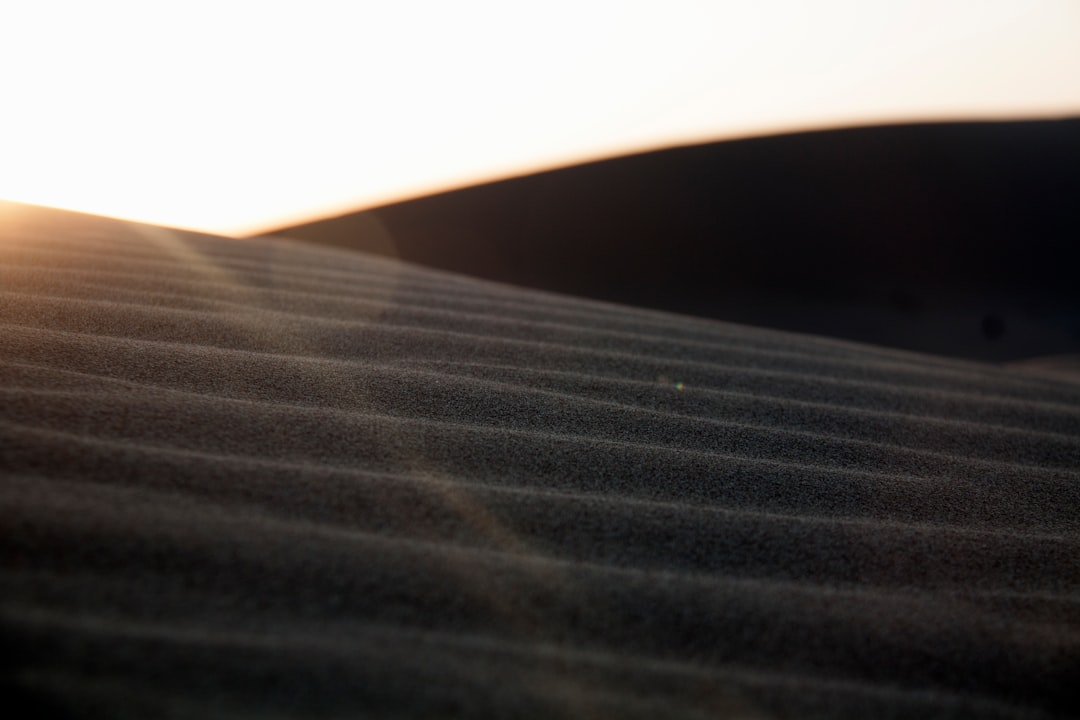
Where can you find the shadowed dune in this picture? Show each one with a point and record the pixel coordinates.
(958, 239)
(265, 479)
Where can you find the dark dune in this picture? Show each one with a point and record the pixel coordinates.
(266, 479)
(959, 239)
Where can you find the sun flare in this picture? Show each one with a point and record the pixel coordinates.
(236, 117)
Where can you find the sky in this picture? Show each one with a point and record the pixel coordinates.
(236, 117)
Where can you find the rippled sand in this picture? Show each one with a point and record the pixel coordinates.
(260, 479)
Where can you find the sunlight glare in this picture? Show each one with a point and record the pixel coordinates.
(238, 116)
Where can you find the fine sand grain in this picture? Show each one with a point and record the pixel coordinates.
(261, 479)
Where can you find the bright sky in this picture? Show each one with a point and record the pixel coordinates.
(235, 117)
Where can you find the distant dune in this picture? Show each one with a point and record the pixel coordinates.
(960, 239)
(263, 479)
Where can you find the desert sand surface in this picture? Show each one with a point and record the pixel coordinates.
(258, 478)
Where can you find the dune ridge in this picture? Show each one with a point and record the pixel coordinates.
(259, 478)
(949, 238)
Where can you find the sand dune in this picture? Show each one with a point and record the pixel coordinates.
(258, 478)
(956, 239)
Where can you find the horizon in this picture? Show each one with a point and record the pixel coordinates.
(261, 129)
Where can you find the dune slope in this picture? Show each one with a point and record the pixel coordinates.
(955, 239)
(261, 479)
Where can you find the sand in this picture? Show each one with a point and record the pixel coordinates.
(957, 239)
(262, 479)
